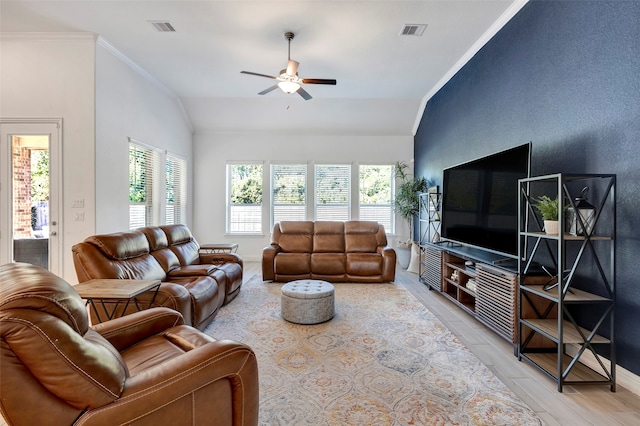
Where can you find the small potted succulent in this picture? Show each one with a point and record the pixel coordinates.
(549, 208)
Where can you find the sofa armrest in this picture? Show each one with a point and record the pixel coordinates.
(220, 258)
(388, 263)
(268, 261)
(192, 271)
(201, 376)
(130, 329)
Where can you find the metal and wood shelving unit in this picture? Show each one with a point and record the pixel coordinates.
(430, 272)
(566, 326)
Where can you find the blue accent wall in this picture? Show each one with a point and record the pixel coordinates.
(564, 75)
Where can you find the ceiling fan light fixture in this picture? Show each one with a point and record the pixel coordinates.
(289, 87)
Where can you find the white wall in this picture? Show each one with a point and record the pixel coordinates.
(212, 151)
(52, 76)
(130, 103)
(102, 101)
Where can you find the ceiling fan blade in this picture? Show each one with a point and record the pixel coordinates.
(292, 67)
(265, 91)
(304, 94)
(319, 81)
(258, 74)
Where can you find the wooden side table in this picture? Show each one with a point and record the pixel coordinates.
(219, 248)
(115, 292)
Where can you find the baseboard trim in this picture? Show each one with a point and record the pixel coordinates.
(624, 377)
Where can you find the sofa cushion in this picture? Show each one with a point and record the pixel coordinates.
(182, 244)
(121, 245)
(293, 263)
(159, 246)
(328, 263)
(328, 237)
(364, 264)
(360, 237)
(294, 237)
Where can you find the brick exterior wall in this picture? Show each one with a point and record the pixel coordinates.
(21, 192)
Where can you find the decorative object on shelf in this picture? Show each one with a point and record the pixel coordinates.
(549, 209)
(434, 213)
(414, 264)
(580, 219)
(471, 284)
(407, 204)
(454, 276)
(551, 334)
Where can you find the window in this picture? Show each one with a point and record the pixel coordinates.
(332, 192)
(376, 194)
(143, 167)
(288, 192)
(244, 200)
(175, 190)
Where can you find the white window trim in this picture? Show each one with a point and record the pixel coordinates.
(266, 189)
(157, 186)
(184, 198)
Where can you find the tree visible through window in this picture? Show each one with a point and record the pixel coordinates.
(376, 194)
(333, 192)
(245, 198)
(142, 163)
(288, 192)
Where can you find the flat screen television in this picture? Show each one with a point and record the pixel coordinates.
(480, 201)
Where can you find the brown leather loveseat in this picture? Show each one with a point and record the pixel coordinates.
(353, 251)
(147, 368)
(193, 283)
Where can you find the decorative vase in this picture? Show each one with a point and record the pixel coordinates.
(551, 227)
(403, 254)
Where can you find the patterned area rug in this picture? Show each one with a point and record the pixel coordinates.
(384, 359)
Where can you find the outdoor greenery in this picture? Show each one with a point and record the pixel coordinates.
(407, 200)
(246, 184)
(39, 175)
(138, 175)
(375, 185)
(289, 185)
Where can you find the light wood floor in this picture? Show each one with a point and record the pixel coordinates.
(576, 405)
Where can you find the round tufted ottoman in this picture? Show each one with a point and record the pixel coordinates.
(307, 301)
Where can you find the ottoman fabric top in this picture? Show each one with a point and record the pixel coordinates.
(307, 289)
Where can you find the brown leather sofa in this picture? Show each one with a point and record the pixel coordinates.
(354, 251)
(147, 368)
(193, 283)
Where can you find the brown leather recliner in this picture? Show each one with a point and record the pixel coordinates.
(146, 368)
(352, 251)
(193, 283)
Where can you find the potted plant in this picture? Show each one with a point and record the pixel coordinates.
(407, 205)
(549, 209)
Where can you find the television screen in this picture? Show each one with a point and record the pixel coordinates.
(480, 201)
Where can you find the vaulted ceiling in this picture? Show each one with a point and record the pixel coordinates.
(383, 77)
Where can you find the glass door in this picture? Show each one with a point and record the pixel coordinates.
(29, 216)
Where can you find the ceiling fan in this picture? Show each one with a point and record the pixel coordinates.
(288, 79)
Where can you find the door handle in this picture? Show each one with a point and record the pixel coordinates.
(53, 234)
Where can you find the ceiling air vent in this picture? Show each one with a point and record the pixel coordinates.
(163, 26)
(413, 29)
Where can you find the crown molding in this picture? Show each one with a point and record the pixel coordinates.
(508, 14)
(102, 42)
(44, 36)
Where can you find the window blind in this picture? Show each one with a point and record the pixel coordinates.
(142, 163)
(332, 192)
(288, 192)
(376, 194)
(175, 189)
(244, 213)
